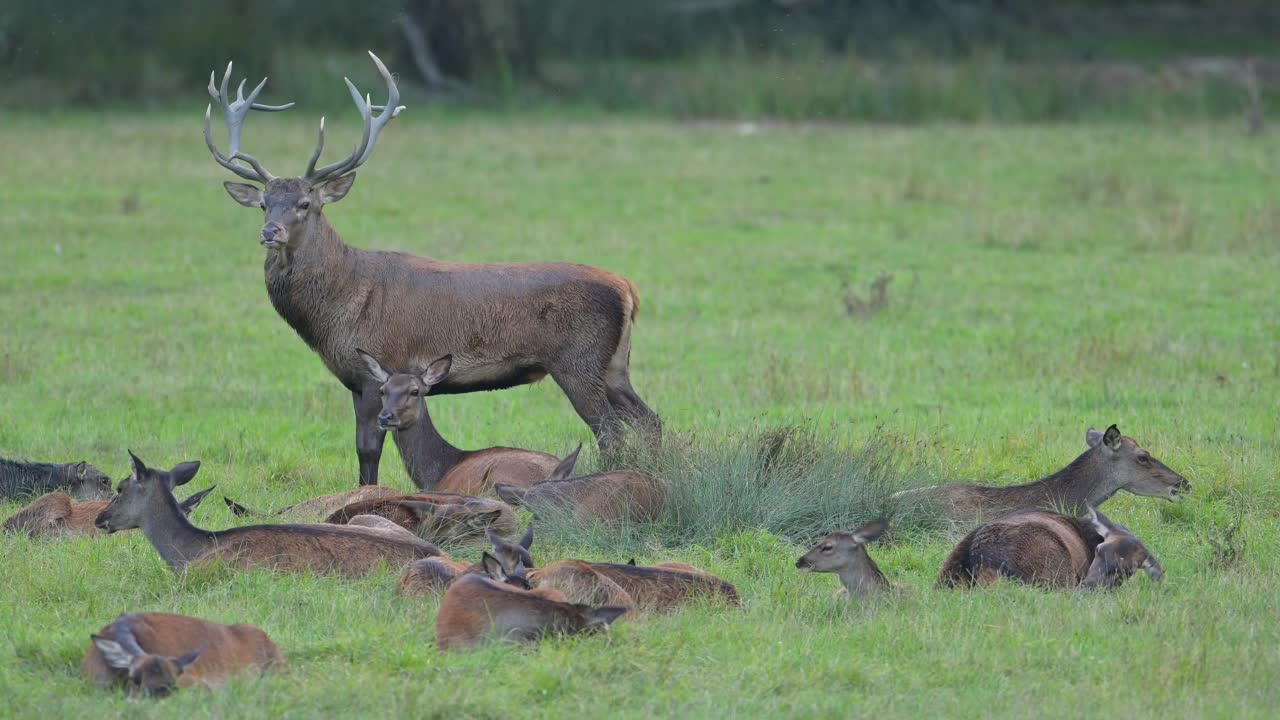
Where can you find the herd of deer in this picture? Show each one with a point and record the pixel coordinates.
(395, 328)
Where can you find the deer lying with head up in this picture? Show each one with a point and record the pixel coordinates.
(1112, 463)
(317, 508)
(845, 554)
(438, 517)
(55, 515)
(607, 497)
(80, 480)
(146, 501)
(505, 324)
(477, 609)
(430, 460)
(1038, 547)
(155, 653)
(432, 576)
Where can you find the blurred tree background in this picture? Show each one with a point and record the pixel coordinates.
(886, 60)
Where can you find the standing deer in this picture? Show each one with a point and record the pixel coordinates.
(505, 324)
(430, 460)
(146, 501)
(1112, 463)
(154, 653)
(1050, 549)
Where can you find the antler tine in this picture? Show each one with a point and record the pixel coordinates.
(315, 156)
(235, 112)
(372, 127)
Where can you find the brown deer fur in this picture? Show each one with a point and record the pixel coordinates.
(1112, 463)
(432, 576)
(845, 554)
(152, 653)
(145, 501)
(607, 497)
(438, 517)
(321, 507)
(55, 515)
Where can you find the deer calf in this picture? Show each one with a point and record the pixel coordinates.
(845, 554)
(432, 576)
(154, 653)
(478, 609)
(438, 517)
(608, 497)
(55, 515)
(1112, 463)
(146, 501)
(1050, 549)
(80, 480)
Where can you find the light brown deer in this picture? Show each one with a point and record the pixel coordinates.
(659, 588)
(439, 517)
(608, 497)
(145, 501)
(154, 653)
(318, 508)
(55, 515)
(430, 460)
(432, 576)
(478, 609)
(504, 324)
(1038, 547)
(1112, 463)
(845, 554)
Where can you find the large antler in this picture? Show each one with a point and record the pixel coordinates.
(234, 112)
(372, 126)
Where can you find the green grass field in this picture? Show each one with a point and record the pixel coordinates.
(1045, 279)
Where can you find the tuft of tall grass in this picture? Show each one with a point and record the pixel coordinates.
(797, 482)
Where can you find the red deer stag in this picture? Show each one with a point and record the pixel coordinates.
(431, 461)
(154, 653)
(505, 324)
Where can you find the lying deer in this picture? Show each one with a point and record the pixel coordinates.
(438, 517)
(477, 609)
(845, 554)
(1038, 547)
(1112, 463)
(660, 588)
(318, 507)
(154, 653)
(55, 515)
(146, 501)
(506, 324)
(432, 576)
(430, 460)
(607, 497)
(80, 480)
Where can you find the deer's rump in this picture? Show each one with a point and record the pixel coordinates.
(481, 470)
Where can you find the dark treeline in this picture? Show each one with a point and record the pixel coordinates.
(699, 57)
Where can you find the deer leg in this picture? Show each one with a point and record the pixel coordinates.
(369, 436)
(626, 403)
(589, 398)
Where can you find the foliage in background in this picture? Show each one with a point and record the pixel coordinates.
(910, 60)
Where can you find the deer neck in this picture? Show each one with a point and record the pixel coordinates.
(862, 576)
(173, 536)
(309, 285)
(1078, 484)
(427, 456)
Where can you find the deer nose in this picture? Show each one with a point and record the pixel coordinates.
(385, 418)
(270, 232)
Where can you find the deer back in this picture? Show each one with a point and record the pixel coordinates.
(430, 577)
(658, 588)
(1034, 547)
(479, 471)
(477, 609)
(603, 497)
(578, 582)
(46, 516)
(343, 550)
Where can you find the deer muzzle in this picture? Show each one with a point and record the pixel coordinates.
(273, 235)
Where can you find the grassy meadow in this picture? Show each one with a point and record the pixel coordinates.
(1044, 279)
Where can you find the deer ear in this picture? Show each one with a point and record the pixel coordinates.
(183, 472)
(871, 531)
(564, 470)
(437, 371)
(1153, 569)
(492, 567)
(1093, 437)
(604, 615)
(336, 189)
(421, 510)
(526, 540)
(138, 468)
(484, 519)
(185, 660)
(189, 505)
(376, 370)
(632, 561)
(113, 652)
(80, 467)
(510, 494)
(1112, 438)
(246, 195)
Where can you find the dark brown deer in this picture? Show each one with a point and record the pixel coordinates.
(1112, 463)
(845, 554)
(318, 508)
(80, 480)
(505, 324)
(430, 460)
(608, 497)
(432, 576)
(477, 609)
(146, 501)
(1050, 549)
(437, 517)
(55, 515)
(154, 653)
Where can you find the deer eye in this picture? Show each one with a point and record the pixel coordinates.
(304, 205)
(414, 392)
(827, 548)
(382, 391)
(1144, 459)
